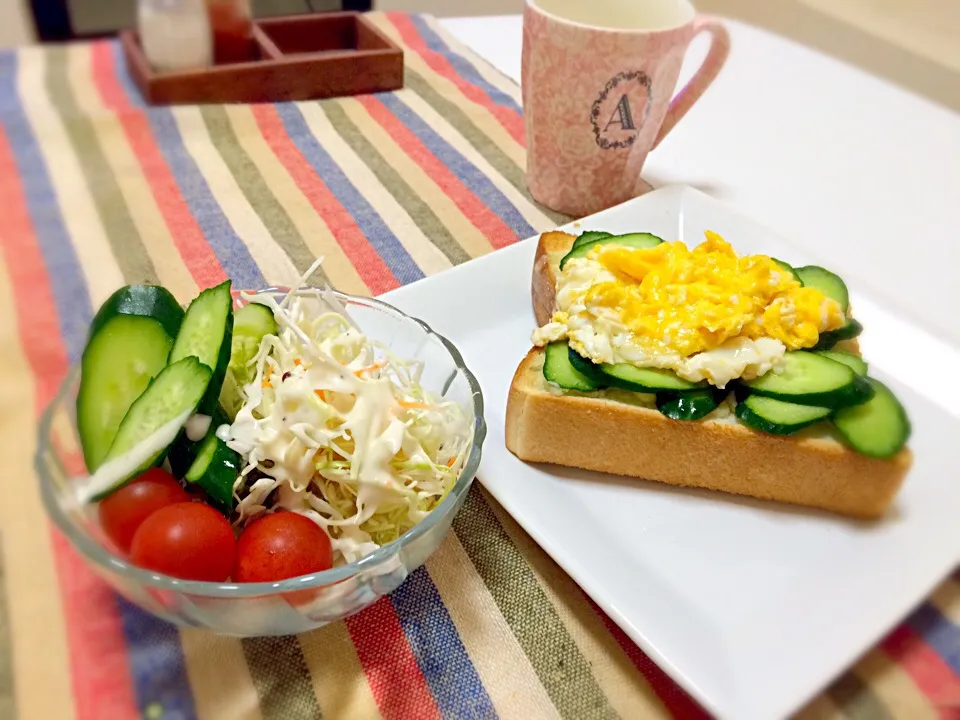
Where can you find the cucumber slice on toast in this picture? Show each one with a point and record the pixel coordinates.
(634, 240)
(830, 284)
(848, 332)
(206, 334)
(879, 428)
(630, 377)
(558, 369)
(854, 362)
(790, 269)
(693, 405)
(590, 236)
(777, 417)
(809, 379)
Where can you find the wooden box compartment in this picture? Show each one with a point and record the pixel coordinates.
(296, 57)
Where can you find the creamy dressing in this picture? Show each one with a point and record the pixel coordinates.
(197, 427)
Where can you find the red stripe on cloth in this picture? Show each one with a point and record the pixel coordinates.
(482, 217)
(187, 236)
(673, 697)
(362, 255)
(511, 121)
(103, 688)
(396, 681)
(931, 674)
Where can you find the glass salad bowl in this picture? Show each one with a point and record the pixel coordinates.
(289, 606)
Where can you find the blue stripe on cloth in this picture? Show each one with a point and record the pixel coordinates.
(380, 237)
(156, 665)
(475, 181)
(940, 634)
(436, 645)
(230, 250)
(67, 282)
(462, 65)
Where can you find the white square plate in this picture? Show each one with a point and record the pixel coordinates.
(752, 607)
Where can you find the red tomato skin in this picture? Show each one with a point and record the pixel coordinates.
(187, 540)
(280, 546)
(123, 511)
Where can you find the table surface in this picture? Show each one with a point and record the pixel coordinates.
(862, 173)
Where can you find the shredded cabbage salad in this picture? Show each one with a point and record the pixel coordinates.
(336, 427)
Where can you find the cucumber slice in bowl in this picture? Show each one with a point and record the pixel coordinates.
(206, 334)
(558, 370)
(590, 236)
(809, 379)
(633, 240)
(150, 427)
(879, 428)
(251, 324)
(215, 470)
(128, 345)
(777, 417)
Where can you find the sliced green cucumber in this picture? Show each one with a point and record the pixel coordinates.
(693, 405)
(590, 236)
(588, 368)
(629, 377)
(826, 282)
(170, 399)
(790, 269)
(206, 335)
(251, 324)
(830, 338)
(558, 370)
(777, 417)
(879, 428)
(141, 301)
(646, 380)
(129, 343)
(633, 240)
(807, 378)
(854, 362)
(215, 470)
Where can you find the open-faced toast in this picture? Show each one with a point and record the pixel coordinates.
(621, 432)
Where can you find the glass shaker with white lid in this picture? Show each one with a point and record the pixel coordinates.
(175, 34)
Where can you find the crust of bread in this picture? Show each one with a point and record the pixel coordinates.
(596, 433)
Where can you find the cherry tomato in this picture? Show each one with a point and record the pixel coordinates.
(122, 512)
(280, 546)
(186, 540)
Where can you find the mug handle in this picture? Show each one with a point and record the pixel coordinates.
(695, 87)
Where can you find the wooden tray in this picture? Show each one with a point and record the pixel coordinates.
(295, 57)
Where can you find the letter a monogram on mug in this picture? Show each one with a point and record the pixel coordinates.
(598, 82)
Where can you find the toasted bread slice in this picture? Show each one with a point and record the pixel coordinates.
(624, 434)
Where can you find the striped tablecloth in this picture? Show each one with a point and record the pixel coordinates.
(97, 190)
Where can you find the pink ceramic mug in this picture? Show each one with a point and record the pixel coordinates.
(598, 82)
